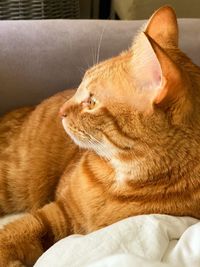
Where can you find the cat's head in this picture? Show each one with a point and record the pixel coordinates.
(138, 100)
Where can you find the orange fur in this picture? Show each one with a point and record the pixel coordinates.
(137, 126)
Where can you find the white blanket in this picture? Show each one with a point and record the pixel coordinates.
(141, 241)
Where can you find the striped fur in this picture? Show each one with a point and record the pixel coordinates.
(127, 150)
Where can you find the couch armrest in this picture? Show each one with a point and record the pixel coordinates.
(39, 58)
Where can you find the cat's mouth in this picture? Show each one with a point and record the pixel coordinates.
(86, 141)
(80, 138)
(71, 131)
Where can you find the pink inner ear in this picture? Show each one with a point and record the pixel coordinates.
(157, 77)
(147, 73)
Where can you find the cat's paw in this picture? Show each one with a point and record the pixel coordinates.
(7, 257)
(16, 264)
(6, 262)
(10, 263)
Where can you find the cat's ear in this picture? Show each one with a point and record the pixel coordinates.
(155, 75)
(162, 27)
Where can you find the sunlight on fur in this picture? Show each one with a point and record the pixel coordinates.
(125, 143)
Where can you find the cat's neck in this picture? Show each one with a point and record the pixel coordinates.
(130, 170)
(120, 177)
(114, 172)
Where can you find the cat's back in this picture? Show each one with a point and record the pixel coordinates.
(34, 151)
(33, 123)
(10, 125)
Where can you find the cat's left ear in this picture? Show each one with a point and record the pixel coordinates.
(162, 27)
(156, 76)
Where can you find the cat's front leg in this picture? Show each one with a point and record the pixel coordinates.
(22, 242)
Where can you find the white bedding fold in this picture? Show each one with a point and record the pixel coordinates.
(144, 241)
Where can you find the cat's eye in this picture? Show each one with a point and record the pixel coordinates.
(90, 102)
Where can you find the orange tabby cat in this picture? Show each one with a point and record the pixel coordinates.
(135, 118)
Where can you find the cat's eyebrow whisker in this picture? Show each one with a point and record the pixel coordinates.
(92, 51)
(82, 70)
(99, 45)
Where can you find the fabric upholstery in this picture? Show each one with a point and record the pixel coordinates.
(39, 58)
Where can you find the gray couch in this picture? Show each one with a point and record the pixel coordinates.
(39, 58)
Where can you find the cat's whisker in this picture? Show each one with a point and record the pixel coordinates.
(101, 149)
(99, 45)
(92, 53)
(86, 63)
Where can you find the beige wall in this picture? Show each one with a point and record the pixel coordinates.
(142, 9)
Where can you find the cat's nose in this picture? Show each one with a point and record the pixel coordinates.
(65, 108)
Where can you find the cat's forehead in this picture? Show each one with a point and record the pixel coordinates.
(106, 85)
(110, 81)
(99, 71)
(109, 67)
